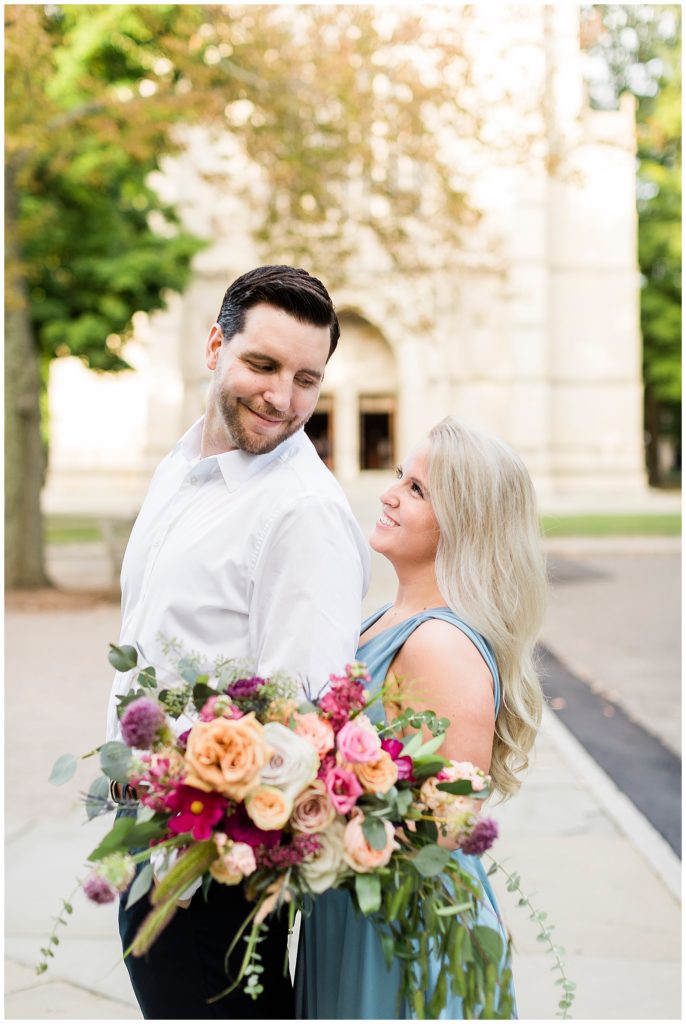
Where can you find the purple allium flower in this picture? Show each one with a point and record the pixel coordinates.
(141, 722)
(481, 838)
(98, 889)
(244, 687)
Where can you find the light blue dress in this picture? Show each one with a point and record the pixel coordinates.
(341, 972)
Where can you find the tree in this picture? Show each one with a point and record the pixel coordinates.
(342, 112)
(638, 48)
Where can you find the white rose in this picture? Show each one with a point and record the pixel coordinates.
(327, 867)
(294, 763)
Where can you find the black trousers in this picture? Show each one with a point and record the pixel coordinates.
(185, 965)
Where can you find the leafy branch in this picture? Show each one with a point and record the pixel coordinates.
(46, 950)
(544, 936)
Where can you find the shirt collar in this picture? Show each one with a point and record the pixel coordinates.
(237, 466)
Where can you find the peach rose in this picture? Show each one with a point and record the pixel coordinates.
(357, 852)
(227, 755)
(377, 776)
(235, 861)
(317, 731)
(312, 810)
(268, 807)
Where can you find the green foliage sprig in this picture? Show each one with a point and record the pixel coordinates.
(544, 935)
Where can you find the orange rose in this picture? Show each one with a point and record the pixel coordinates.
(269, 807)
(357, 852)
(226, 755)
(317, 731)
(376, 776)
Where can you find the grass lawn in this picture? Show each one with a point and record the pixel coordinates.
(633, 525)
(80, 529)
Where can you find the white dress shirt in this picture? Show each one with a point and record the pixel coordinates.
(244, 555)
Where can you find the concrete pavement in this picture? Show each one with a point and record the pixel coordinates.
(594, 864)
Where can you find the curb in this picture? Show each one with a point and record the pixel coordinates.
(649, 844)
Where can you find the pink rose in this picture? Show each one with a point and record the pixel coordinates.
(357, 852)
(317, 731)
(358, 741)
(312, 810)
(343, 789)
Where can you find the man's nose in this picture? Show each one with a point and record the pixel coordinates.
(278, 394)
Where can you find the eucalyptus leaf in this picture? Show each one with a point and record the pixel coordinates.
(489, 941)
(374, 832)
(461, 787)
(368, 892)
(188, 670)
(431, 860)
(115, 758)
(63, 769)
(147, 678)
(97, 797)
(123, 658)
(453, 908)
(140, 886)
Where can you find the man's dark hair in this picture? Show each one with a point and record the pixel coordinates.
(288, 288)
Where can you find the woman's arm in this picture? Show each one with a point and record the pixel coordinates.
(439, 668)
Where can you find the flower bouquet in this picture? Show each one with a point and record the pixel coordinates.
(239, 780)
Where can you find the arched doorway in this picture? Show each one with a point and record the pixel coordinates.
(354, 425)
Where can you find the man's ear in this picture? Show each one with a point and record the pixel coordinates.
(213, 346)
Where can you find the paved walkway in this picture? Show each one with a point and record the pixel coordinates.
(607, 880)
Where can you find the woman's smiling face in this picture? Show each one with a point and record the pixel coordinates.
(407, 531)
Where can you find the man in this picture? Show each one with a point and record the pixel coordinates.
(245, 547)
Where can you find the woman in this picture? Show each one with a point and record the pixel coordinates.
(461, 530)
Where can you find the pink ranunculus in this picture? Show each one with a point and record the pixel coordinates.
(358, 741)
(343, 789)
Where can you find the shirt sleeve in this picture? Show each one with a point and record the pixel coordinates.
(311, 575)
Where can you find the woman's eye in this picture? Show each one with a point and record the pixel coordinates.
(417, 489)
(398, 472)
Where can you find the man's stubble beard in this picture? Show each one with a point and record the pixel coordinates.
(253, 444)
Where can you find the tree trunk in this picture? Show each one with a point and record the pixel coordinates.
(25, 459)
(652, 430)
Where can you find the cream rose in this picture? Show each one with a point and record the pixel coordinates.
(293, 763)
(235, 861)
(357, 852)
(312, 810)
(227, 755)
(268, 807)
(377, 776)
(317, 731)
(327, 867)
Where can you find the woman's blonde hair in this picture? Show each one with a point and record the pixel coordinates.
(490, 571)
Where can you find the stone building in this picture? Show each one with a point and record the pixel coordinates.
(530, 330)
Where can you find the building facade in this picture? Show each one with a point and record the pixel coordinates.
(530, 330)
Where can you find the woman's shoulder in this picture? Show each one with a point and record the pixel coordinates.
(443, 640)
